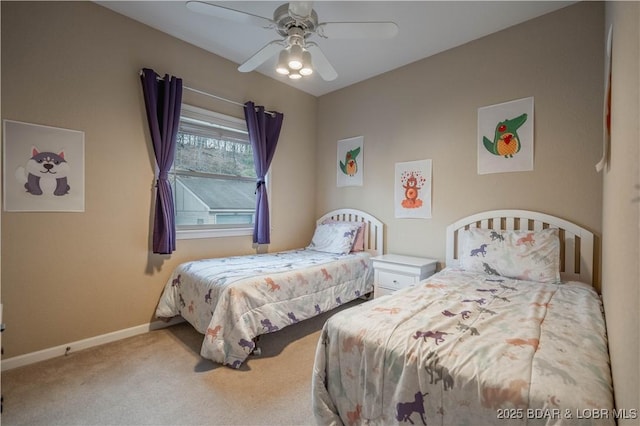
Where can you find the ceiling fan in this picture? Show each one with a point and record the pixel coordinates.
(296, 22)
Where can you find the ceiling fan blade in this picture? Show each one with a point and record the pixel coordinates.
(229, 14)
(357, 30)
(321, 63)
(300, 9)
(261, 56)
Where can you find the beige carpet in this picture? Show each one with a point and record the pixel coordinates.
(159, 378)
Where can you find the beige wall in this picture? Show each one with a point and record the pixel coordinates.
(428, 110)
(70, 276)
(621, 217)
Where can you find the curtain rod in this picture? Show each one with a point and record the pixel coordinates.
(158, 78)
(213, 96)
(271, 113)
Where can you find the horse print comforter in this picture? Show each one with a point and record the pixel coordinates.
(232, 300)
(465, 348)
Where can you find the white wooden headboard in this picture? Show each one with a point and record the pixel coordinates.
(373, 236)
(576, 243)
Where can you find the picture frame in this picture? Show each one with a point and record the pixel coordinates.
(43, 168)
(350, 162)
(505, 137)
(412, 189)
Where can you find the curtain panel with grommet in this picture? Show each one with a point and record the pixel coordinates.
(264, 131)
(163, 99)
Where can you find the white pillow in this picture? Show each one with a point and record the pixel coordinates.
(334, 237)
(358, 242)
(524, 255)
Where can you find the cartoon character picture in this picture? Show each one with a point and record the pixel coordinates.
(412, 182)
(506, 141)
(349, 161)
(45, 173)
(505, 137)
(43, 168)
(412, 195)
(350, 165)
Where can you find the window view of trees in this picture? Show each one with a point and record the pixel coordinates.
(219, 156)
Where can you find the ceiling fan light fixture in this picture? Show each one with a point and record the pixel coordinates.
(295, 22)
(307, 68)
(295, 57)
(282, 67)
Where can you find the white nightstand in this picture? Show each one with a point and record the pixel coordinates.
(392, 272)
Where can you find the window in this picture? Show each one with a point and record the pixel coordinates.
(213, 176)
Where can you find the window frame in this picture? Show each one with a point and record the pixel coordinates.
(214, 231)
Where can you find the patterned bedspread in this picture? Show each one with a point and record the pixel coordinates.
(232, 300)
(464, 348)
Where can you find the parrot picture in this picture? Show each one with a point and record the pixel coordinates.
(350, 166)
(506, 141)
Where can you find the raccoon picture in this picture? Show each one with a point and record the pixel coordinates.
(45, 173)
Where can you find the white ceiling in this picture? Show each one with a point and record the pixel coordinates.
(425, 28)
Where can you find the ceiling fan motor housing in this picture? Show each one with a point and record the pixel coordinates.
(285, 22)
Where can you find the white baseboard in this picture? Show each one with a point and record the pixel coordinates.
(33, 357)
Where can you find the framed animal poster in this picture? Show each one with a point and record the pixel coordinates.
(505, 137)
(350, 161)
(412, 189)
(43, 168)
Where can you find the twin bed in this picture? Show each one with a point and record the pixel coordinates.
(510, 332)
(233, 300)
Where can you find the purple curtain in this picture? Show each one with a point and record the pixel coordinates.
(264, 130)
(163, 99)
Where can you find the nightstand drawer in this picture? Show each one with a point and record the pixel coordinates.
(394, 280)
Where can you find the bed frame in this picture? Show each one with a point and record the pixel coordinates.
(373, 236)
(576, 243)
